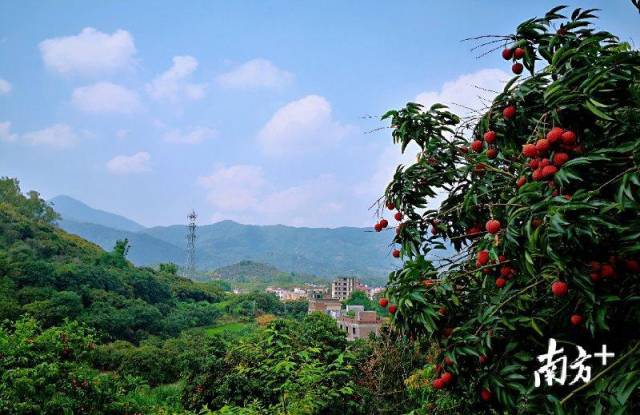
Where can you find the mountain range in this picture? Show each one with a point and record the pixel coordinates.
(325, 252)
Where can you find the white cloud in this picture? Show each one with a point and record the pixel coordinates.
(197, 135)
(136, 163)
(313, 202)
(90, 52)
(304, 125)
(234, 188)
(58, 135)
(242, 193)
(5, 132)
(467, 91)
(173, 83)
(106, 97)
(5, 87)
(255, 73)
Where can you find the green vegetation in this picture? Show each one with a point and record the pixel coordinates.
(229, 328)
(360, 298)
(303, 251)
(552, 176)
(52, 276)
(84, 331)
(254, 276)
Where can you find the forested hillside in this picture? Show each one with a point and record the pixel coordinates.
(53, 275)
(318, 251)
(255, 275)
(86, 332)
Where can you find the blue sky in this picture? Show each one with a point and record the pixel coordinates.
(251, 111)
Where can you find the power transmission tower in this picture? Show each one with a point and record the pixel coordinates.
(191, 245)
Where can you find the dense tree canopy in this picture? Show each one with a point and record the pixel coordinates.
(543, 209)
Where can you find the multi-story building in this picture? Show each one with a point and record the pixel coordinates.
(341, 288)
(357, 323)
(315, 292)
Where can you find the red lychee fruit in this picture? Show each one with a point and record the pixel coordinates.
(529, 150)
(595, 277)
(377, 227)
(502, 258)
(554, 134)
(391, 205)
(517, 68)
(398, 216)
(448, 361)
(537, 174)
(505, 271)
(632, 265)
(438, 384)
(392, 309)
(560, 158)
(548, 171)
(447, 377)
(383, 302)
(395, 253)
(542, 145)
(521, 181)
(507, 53)
(483, 359)
(576, 319)
(534, 164)
(500, 282)
(384, 223)
(476, 146)
(483, 258)
(607, 271)
(493, 226)
(544, 162)
(559, 288)
(519, 53)
(509, 112)
(485, 394)
(568, 137)
(490, 137)
(492, 153)
(536, 222)
(473, 231)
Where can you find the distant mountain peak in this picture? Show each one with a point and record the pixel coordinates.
(75, 210)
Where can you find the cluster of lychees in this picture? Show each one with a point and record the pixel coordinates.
(549, 154)
(515, 54)
(383, 223)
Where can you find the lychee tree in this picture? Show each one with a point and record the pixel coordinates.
(543, 210)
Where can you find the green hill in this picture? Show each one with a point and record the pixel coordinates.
(144, 248)
(251, 275)
(53, 275)
(72, 209)
(312, 251)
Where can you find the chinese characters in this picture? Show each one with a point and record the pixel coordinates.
(554, 365)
